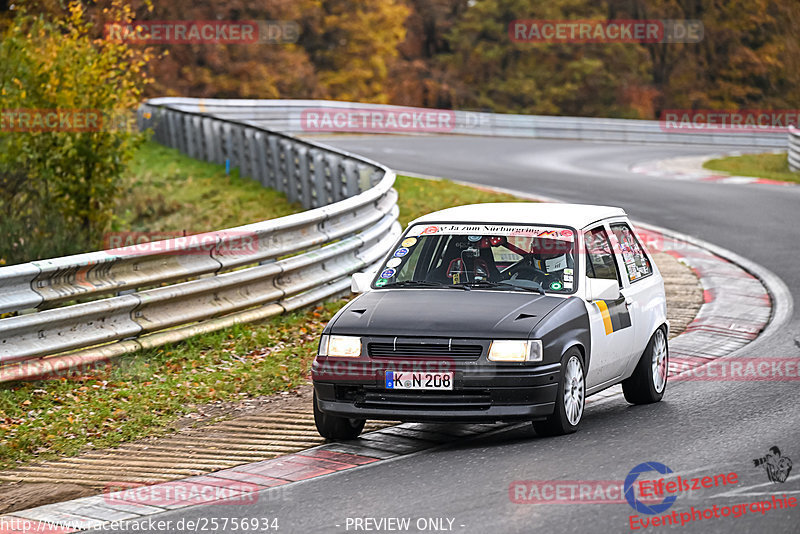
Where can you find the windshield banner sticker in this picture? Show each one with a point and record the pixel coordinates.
(475, 230)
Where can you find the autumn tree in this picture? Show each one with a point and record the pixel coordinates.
(343, 50)
(351, 45)
(419, 76)
(747, 58)
(497, 74)
(457, 53)
(254, 70)
(58, 183)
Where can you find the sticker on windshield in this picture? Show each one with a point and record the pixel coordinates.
(567, 271)
(388, 273)
(556, 264)
(556, 286)
(400, 252)
(381, 282)
(476, 230)
(394, 262)
(474, 238)
(567, 285)
(410, 242)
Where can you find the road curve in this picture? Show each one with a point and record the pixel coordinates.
(701, 428)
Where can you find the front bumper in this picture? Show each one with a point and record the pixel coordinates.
(481, 393)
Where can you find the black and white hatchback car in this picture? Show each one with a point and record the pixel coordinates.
(497, 312)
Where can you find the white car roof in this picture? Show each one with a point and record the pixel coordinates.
(575, 215)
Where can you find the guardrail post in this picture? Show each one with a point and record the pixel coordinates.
(350, 178)
(304, 176)
(794, 149)
(283, 168)
(319, 180)
(273, 162)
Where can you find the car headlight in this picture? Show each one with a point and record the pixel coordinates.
(340, 346)
(513, 350)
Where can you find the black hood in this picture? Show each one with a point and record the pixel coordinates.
(444, 313)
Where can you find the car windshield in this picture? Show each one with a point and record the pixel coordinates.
(483, 256)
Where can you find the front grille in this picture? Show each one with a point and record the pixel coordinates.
(426, 400)
(422, 350)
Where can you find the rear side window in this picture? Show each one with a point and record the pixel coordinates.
(599, 255)
(637, 264)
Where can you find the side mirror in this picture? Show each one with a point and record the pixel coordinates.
(360, 282)
(601, 289)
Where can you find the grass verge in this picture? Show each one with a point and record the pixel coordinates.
(769, 166)
(165, 191)
(144, 393)
(161, 193)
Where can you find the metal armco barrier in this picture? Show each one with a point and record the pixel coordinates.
(87, 308)
(292, 116)
(140, 297)
(794, 149)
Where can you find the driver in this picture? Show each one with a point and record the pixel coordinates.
(550, 258)
(465, 260)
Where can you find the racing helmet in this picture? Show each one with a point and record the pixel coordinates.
(551, 255)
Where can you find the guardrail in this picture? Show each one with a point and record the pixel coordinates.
(794, 149)
(118, 301)
(113, 302)
(291, 116)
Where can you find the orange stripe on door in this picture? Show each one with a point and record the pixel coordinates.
(603, 307)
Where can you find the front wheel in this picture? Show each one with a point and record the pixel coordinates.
(335, 428)
(569, 400)
(649, 380)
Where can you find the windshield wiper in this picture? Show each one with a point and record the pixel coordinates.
(486, 284)
(426, 283)
(537, 288)
(476, 283)
(414, 283)
(466, 286)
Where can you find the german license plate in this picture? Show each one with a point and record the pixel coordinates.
(408, 380)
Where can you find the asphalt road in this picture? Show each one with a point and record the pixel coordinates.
(700, 428)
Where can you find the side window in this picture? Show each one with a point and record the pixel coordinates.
(599, 255)
(636, 261)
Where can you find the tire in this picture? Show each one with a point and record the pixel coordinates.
(649, 380)
(334, 428)
(570, 400)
